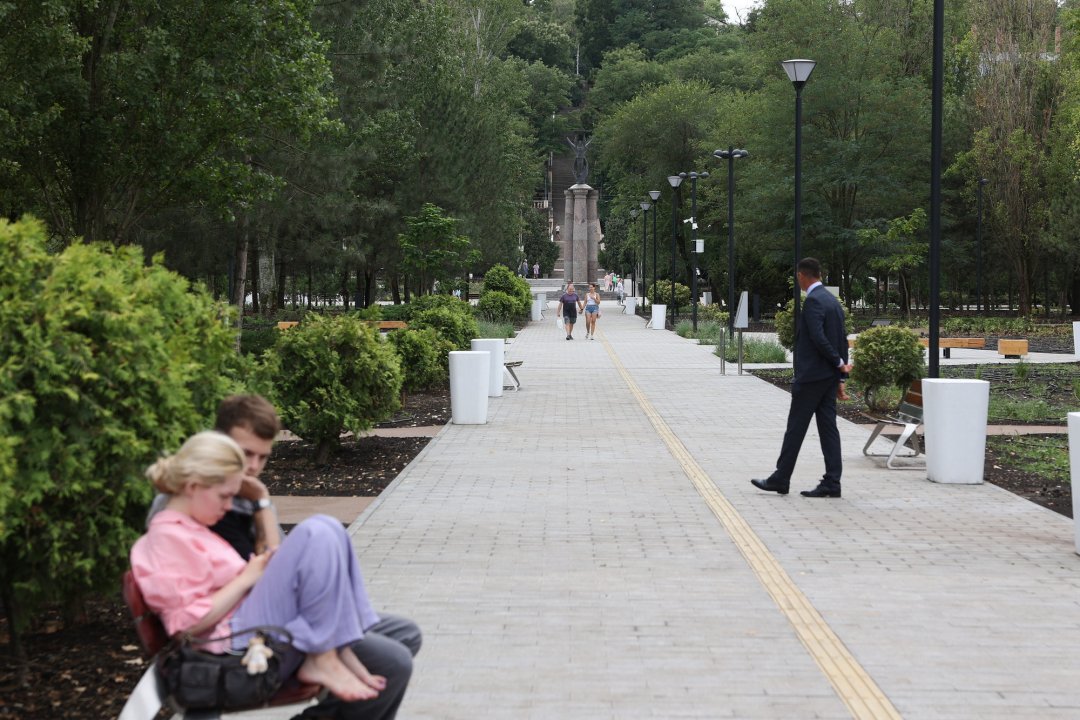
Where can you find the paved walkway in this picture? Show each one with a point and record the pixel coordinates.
(596, 551)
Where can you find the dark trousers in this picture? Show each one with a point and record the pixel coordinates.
(386, 649)
(813, 399)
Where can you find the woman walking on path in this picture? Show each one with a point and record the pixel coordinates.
(592, 311)
(569, 305)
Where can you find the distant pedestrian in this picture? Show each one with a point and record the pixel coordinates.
(523, 271)
(536, 270)
(821, 363)
(607, 282)
(592, 311)
(619, 290)
(569, 304)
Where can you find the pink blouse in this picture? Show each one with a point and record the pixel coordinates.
(179, 564)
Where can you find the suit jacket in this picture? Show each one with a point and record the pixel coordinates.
(821, 343)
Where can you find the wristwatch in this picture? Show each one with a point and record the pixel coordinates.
(263, 503)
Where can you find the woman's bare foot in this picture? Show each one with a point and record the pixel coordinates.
(328, 670)
(348, 657)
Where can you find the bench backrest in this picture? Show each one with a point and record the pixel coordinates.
(911, 407)
(148, 626)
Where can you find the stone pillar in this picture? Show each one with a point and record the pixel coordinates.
(568, 238)
(592, 268)
(579, 271)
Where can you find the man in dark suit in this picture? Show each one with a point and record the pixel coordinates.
(821, 359)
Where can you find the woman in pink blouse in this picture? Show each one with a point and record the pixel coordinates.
(197, 583)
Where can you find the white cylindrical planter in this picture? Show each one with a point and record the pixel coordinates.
(1074, 471)
(659, 317)
(469, 386)
(1076, 339)
(537, 309)
(497, 348)
(954, 417)
(630, 303)
(543, 300)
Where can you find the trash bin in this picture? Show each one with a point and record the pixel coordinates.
(497, 348)
(954, 418)
(659, 317)
(630, 306)
(468, 387)
(1074, 468)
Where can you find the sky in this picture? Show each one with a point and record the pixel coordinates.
(738, 8)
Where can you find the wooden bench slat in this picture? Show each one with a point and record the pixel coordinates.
(1012, 348)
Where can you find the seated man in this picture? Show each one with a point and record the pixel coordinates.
(251, 527)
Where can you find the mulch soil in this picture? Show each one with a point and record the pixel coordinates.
(85, 671)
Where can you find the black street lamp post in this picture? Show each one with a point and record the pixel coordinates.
(798, 72)
(645, 245)
(655, 195)
(674, 181)
(694, 177)
(978, 245)
(731, 154)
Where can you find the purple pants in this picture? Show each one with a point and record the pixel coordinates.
(313, 588)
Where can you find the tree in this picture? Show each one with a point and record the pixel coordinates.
(431, 250)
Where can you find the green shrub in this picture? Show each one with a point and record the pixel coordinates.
(394, 312)
(428, 302)
(886, 357)
(104, 363)
(785, 325)
(254, 340)
(502, 280)
(332, 374)
(755, 350)
(660, 294)
(455, 325)
(497, 306)
(486, 329)
(424, 358)
(684, 329)
(713, 313)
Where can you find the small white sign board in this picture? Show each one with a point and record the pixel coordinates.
(742, 313)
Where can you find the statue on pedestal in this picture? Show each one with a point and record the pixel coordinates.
(581, 163)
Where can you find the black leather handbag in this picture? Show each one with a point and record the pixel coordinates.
(195, 679)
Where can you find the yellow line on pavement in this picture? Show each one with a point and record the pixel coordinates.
(852, 683)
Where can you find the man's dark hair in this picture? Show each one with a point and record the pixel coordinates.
(253, 412)
(810, 267)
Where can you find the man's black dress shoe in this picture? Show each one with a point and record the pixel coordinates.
(770, 486)
(821, 491)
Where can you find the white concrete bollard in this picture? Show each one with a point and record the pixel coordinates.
(659, 317)
(537, 309)
(497, 348)
(630, 306)
(468, 387)
(954, 415)
(1074, 472)
(1076, 339)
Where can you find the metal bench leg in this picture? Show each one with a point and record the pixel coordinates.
(516, 383)
(873, 436)
(909, 431)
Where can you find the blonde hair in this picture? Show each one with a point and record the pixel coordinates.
(207, 458)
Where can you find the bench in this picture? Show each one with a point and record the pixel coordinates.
(286, 324)
(1014, 349)
(149, 696)
(385, 325)
(508, 368)
(947, 344)
(909, 416)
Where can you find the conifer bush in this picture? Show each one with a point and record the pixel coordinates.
(105, 362)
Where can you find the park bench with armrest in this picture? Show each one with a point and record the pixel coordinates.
(149, 696)
(909, 416)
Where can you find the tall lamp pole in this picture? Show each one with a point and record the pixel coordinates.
(675, 181)
(731, 154)
(696, 249)
(936, 112)
(978, 245)
(798, 72)
(645, 245)
(655, 195)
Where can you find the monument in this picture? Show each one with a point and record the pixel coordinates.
(581, 228)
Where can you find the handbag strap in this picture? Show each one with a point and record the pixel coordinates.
(266, 630)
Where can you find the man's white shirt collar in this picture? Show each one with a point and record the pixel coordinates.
(813, 286)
